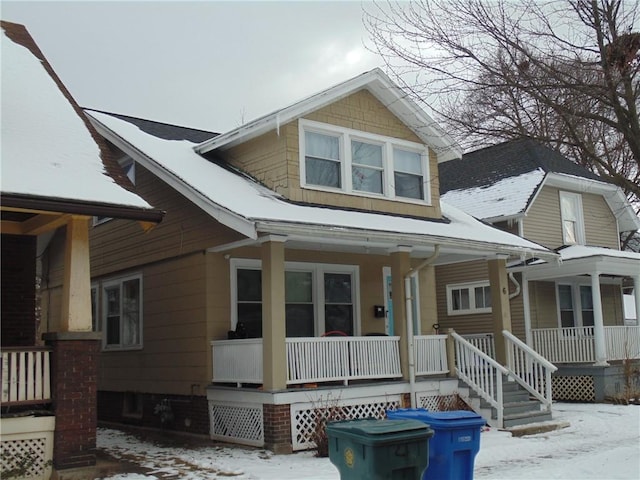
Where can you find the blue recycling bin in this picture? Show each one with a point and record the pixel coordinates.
(455, 442)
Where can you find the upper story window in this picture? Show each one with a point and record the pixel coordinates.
(469, 298)
(572, 218)
(350, 161)
(122, 313)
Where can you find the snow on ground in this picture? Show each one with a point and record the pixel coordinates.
(602, 442)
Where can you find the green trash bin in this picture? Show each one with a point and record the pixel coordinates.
(379, 449)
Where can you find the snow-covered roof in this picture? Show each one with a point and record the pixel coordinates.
(574, 252)
(506, 198)
(241, 203)
(47, 150)
(376, 82)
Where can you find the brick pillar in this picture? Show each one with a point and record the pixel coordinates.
(74, 366)
(277, 428)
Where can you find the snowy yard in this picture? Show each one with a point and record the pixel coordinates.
(602, 442)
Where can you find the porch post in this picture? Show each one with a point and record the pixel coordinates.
(76, 288)
(526, 309)
(400, 265)
(274, 354)
(499, 305)
(636, 294)
(598, 322)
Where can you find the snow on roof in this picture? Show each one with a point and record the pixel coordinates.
(255, 203)
(584, 251)
(47, 150)
(505, 198)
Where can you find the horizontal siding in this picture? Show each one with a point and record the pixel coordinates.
(543, 221)
(120, 245)
(544, 312)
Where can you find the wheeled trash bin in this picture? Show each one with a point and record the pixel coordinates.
(455, 442)
(379, 449)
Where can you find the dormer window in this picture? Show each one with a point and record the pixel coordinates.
(572, 218)
(349, 161)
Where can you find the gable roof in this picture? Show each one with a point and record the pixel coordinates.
(500, 182)
(376, 82)
(52, 158)
(253, 210)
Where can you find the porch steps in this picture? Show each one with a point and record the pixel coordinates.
(518, 407)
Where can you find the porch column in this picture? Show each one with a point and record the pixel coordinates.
(636, 294)
(598, 322)
(499, 305)
(526, 306)
(76, 288)
(400, 265)
(274, 354)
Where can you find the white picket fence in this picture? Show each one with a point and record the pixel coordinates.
(26, 377)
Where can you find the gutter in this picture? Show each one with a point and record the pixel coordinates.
(413, 272)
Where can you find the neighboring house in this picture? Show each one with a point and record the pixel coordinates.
(570, 312)
(56, 175)
(295, 253)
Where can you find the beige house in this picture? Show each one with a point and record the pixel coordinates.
(297, 267)
(571, 312)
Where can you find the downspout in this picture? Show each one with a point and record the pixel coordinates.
(413, 272)
(517, 285)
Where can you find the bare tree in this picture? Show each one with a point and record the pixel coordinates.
(563, 72)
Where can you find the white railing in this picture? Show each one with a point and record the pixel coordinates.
(529, 369)
(565, 345)
(310, 359)
(431, 354)
(577, 345)
(480, 372)
(26, 377)
(237, 361)
(622, 342)
(482, 341)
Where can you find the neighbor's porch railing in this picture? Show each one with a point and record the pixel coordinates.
(26, 377)
(577, 345)
(430, 354)
(310, 359)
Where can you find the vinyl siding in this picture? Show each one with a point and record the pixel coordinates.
(543, 222)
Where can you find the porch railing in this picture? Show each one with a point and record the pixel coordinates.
(482, 341)
(577, 345)
(26, 377)
(480, 372)
(431, 354)
(529, 369)
(310, 359)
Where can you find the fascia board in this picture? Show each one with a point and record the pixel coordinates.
(378, 84)
(226, 217)
(602, 265)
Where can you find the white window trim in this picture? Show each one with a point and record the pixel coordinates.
(580, 234)
(577, 302)
(103, 313)
(318, 270)
(345, 135)
(472, 299)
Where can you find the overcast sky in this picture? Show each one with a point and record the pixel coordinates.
(207, 64)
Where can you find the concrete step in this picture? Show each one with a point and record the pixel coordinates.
(525, 418)
(521, 407)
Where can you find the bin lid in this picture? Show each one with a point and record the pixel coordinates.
(454, 418)
(373, 431)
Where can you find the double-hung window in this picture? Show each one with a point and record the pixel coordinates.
(122, 313)
(469, 298)
(572, 218)
(575, 305)
(340, 159)
(318, 298)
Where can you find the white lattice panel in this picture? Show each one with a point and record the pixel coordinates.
(441, 403)
(304, 415)
(237, 422)
(574, 387)
(31, 453)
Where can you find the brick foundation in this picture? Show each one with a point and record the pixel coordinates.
(189, 413)
(277, 428)
(73, 382)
